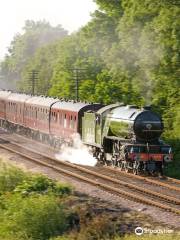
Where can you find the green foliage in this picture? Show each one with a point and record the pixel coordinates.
(98, 228)
(30, 205)
(113, 7)
(35, 217)
(62, 189)
(42, 185)
(10, 177)
(173, 169)
(23, 47)
(36, 184)
(61, 238)
(42, 61)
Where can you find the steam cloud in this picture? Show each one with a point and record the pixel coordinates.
(78, 153)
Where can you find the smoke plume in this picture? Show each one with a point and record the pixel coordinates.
(78, 153)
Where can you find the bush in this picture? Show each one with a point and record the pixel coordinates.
(172, 169)
(62, 189)
(42, 185)
(35, 217)
(10, 177)
(97, 228)
(30, 207)
(60, 238)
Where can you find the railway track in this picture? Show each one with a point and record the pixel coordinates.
(166, 182)
(173, 180)
(100, 178)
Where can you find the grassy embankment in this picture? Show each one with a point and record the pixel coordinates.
(33, 207)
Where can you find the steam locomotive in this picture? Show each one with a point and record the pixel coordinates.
(123, 136)
(127, 137)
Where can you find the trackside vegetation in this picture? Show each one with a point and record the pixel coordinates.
(34, 207)
(31, 206)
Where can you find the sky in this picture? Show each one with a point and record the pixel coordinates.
(71, 14)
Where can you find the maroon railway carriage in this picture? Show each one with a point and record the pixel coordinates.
(66, 117)
(43, 117)
(15, 108)
(3, 98)
(37, 113)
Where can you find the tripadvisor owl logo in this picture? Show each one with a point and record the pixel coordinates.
(139, 231)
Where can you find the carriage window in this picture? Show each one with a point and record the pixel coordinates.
(59, 118)
(34, 112)
(71, 124)
(65, 121)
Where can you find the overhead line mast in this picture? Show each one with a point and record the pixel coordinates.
(33, 76)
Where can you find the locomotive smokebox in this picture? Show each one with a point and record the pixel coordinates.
(147, 126)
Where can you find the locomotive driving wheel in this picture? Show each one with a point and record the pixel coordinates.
(126, 167)
(136, 168)
(121, 165)
(114, 161)
(135, 171)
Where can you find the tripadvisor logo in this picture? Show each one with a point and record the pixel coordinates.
(139, 231)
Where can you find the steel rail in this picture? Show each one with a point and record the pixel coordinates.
(173, 180)
(155, 182)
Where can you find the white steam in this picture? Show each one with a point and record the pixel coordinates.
(78, 153)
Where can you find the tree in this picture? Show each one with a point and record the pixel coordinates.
(24, 46)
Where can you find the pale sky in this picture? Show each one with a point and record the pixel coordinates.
(71, 14)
